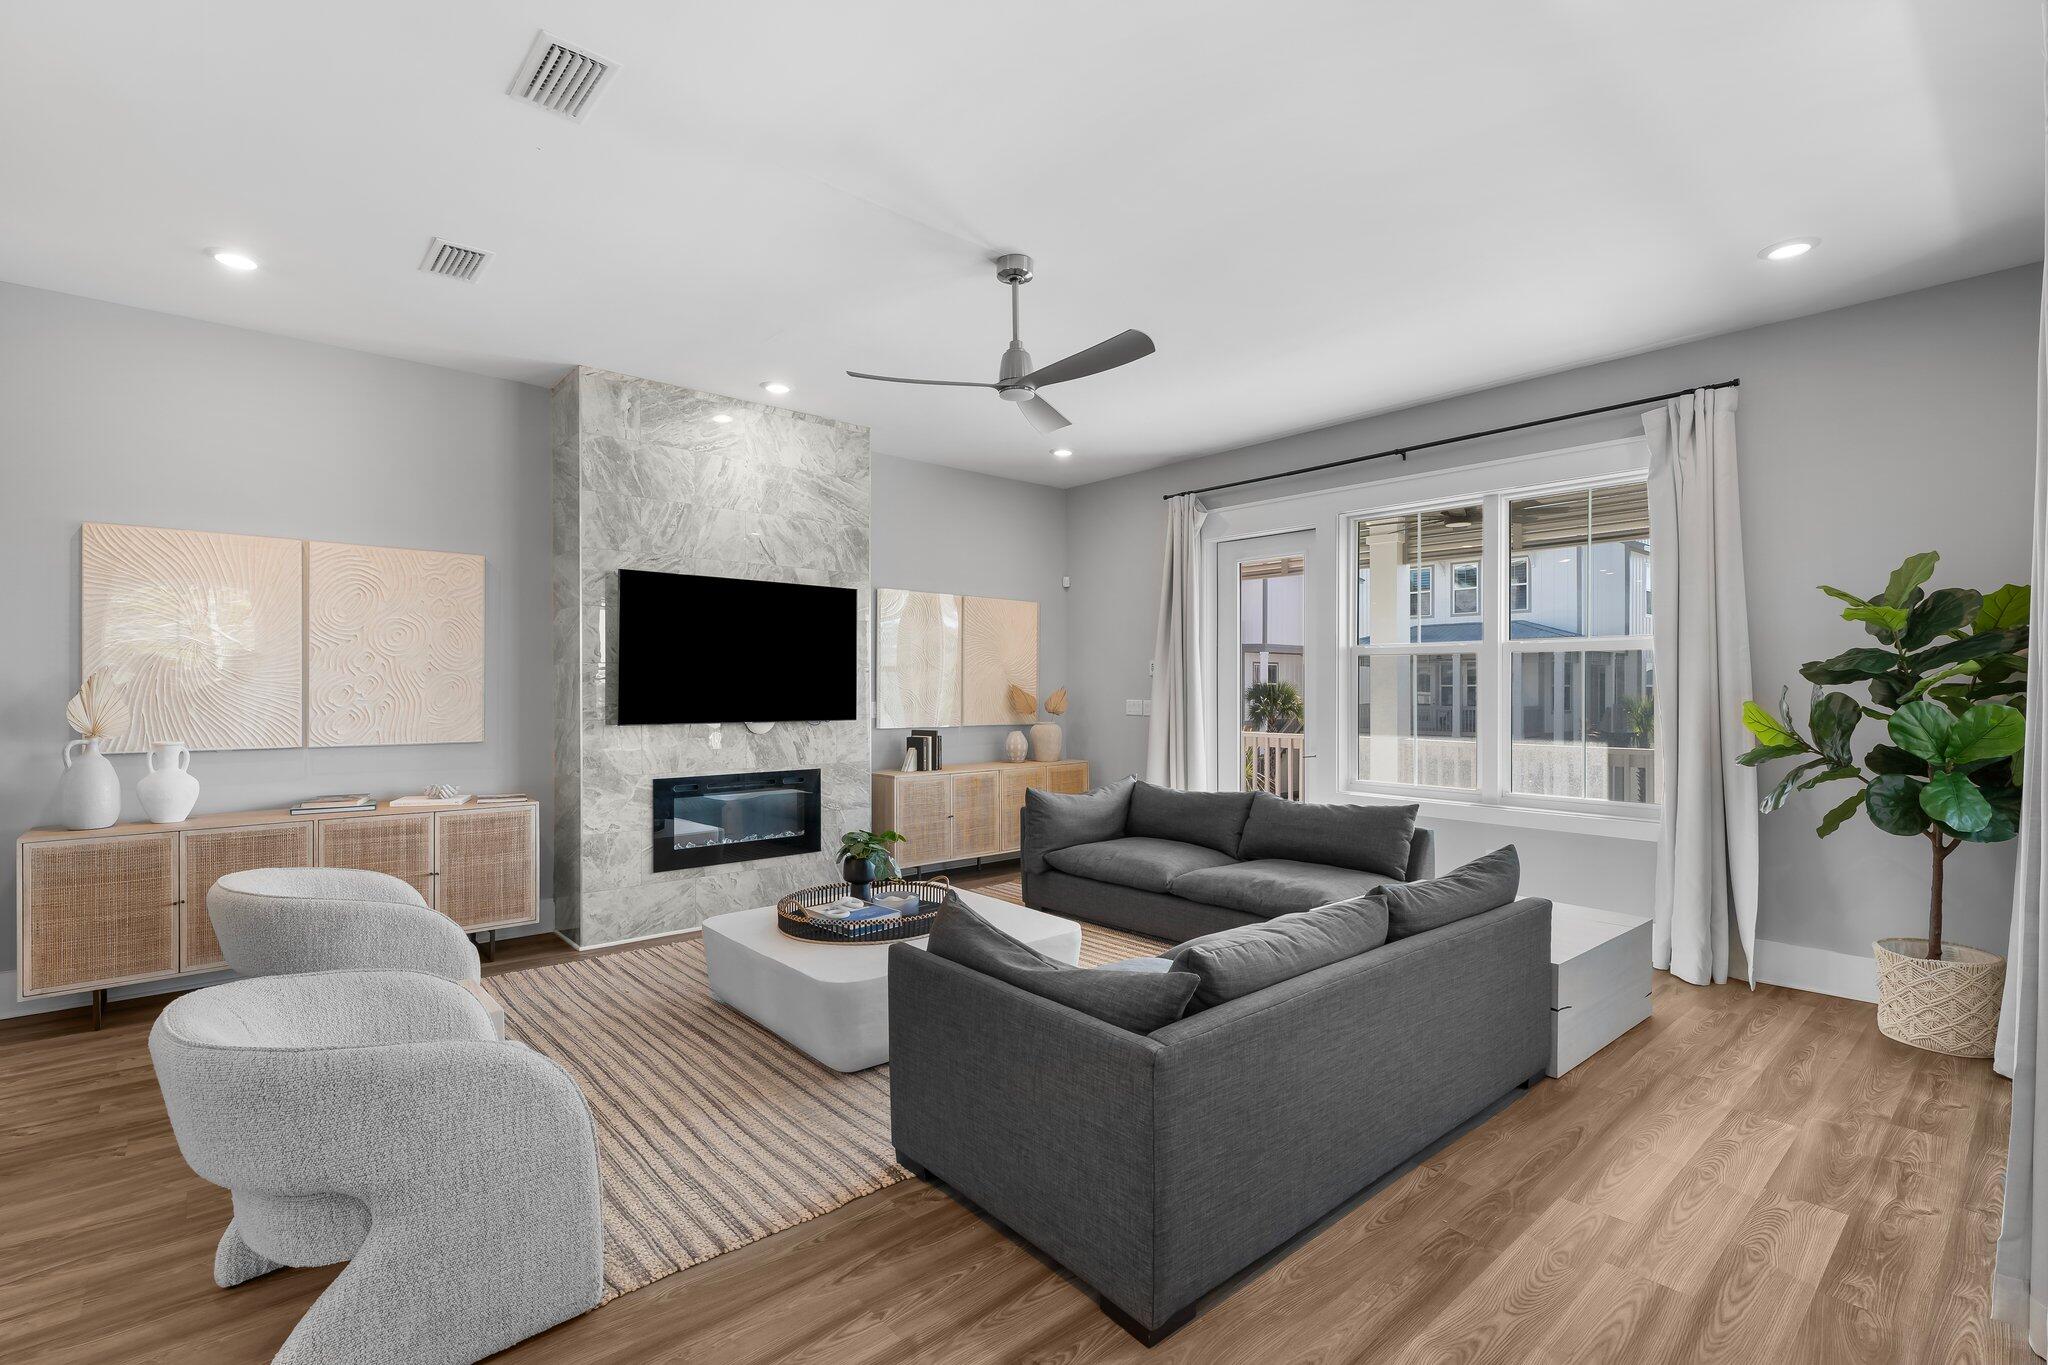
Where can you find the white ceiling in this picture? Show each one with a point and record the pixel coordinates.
(1317, 210)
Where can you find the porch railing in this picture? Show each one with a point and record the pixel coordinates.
(1273, 763)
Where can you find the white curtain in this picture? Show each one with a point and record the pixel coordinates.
(1707, 850)
(1176, 748)
(2019, 1281)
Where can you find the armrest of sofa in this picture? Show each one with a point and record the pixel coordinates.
(1421, 855)
(1039, 1114)
(1275, 1107)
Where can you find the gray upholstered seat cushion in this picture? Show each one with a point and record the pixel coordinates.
(1211, 819)
(1239, 961)
(1368, 838)
(1148, 864)
(1486, 883)
(1138, 1001)
(1063, 819)
(1273, 886)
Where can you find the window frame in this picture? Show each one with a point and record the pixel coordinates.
(1421, 586)
(1495, 653)
(1477, 589)
(1518, 562)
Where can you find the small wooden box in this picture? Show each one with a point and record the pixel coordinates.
(1599, 980)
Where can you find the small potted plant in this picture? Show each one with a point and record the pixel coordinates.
(864, 855)
(1947, 681)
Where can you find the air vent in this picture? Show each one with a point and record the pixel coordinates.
(456, 262)
(561, 78)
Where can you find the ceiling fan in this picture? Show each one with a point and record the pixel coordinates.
(1016, 381)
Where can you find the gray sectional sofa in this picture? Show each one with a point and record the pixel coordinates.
(1155, 1166)
(1174, 864)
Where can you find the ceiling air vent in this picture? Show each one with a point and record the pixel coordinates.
(561, 78)
(456, 262)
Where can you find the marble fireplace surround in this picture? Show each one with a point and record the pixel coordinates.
(646, 479)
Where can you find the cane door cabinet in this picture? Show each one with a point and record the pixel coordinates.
(110, 907)
(968, 810)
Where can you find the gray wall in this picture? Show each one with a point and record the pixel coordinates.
(116, 414)
(946, 530)
(1900, 425)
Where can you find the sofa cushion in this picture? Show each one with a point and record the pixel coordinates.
(1485, 883)
(1061, 820)
(1237, 962)
(1148, 864)
(1272, 886)
(1211, 819)
(1371, 838)
(1138, 1001)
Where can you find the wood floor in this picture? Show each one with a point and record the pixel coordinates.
(1752, 1177)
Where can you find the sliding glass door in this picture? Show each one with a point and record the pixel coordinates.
(1266, 668)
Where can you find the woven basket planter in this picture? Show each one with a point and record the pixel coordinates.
(1948, 1006)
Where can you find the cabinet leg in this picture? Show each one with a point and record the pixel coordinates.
(487, 944)
(99, 1009)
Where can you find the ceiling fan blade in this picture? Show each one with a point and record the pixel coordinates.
(1042, 414)
(1120, 349)
(949, 383)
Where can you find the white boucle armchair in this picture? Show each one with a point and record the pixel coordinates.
(374, 1118)
(276, 921)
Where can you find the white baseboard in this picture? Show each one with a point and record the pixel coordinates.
(1853, 976)
(12, 1007)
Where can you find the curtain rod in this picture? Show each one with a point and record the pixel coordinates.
(1405, 451)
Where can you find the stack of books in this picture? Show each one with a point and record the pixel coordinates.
(502, 798)
(327, 805)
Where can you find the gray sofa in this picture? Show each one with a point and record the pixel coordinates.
(1175, 864)
(1157, 1166)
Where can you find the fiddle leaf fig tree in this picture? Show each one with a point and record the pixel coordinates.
(1947, 681)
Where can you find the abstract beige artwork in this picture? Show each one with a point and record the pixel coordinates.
(998, 651)
(199, 632)
(394, 646)
(917, 659)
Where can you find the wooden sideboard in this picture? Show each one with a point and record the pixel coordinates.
(966, 810)
(109, 907)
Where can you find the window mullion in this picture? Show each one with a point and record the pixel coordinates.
(1493, 595)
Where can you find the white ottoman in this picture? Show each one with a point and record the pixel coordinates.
(831, 1000)
(1599, 980)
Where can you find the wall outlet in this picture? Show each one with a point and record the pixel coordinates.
(1134, 707)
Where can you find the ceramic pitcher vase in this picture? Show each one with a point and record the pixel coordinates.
(89, 793)
(168, 791)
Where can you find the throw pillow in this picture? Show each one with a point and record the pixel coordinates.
(1251, 957)
(1371, 838)
(1211, 819)
(1485, 883)
(1138, 1001)
(1054, 821)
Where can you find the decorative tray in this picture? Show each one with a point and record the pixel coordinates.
(794, 913)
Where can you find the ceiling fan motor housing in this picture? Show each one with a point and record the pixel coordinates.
(1016, 364)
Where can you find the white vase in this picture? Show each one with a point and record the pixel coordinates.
(168, 791)
(1015, 746)
(89, 793)
(1047, 741)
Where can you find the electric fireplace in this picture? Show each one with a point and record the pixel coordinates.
(734, 817)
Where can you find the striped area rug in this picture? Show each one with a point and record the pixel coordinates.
(711, 1131)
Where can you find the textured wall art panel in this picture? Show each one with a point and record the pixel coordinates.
(998, 651)
(917, 658)
(201, 632)
(394, 646)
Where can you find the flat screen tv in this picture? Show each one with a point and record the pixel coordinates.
(698, 650)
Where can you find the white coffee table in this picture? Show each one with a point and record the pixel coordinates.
(831, 1000)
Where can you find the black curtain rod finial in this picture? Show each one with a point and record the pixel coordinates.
(1403, 451)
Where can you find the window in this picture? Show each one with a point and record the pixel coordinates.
(1465, 589)
(1421, 594)
(1549, 702)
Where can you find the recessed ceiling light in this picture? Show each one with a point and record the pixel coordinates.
(775, 386)
(1063, 454)
(723, 417)
(235, 260)
(1788, 249)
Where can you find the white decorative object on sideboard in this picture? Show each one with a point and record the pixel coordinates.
(1599, 978)
(168, 791)
(89, 792)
